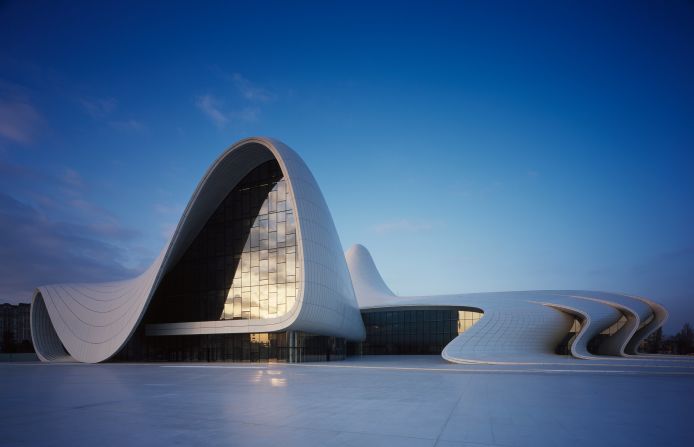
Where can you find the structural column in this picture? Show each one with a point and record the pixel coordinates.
(291, 337)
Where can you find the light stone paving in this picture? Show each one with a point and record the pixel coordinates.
(380, 401)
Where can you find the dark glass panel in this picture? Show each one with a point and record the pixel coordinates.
(230, 256)
(257, 347)
(421, 331)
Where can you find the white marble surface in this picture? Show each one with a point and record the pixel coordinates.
(379, 401)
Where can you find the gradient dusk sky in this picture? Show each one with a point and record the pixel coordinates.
(471, 146)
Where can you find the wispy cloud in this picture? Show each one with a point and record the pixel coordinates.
(247, 114)
(72, 177)
(166, 208)
(98, 107)
(210, 106)
(169, 212)
(403, 225)
(38, 249)
(130, 125)
(19, 120)
(167, 230)
(63, 196)
(480, 190)
(54, 233)
(251, 91)
(104, 110)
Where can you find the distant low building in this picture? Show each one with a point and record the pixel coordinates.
(15, 328)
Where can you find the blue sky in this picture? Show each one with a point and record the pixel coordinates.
(471, 146)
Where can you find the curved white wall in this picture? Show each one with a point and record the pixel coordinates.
(94, 321)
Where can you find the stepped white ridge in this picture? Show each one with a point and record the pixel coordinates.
(523, 326)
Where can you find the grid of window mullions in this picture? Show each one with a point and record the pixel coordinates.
(252, 347)
(414, 331)
(466, 319)
(244, 261)
(265, 283)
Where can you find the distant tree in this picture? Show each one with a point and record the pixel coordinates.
(654, 342)
(670, 345)
(684, 340)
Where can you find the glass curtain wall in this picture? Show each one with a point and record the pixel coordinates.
(244, 263)
(412, 330)
(258, 347)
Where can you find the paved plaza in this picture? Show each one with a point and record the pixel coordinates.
(382, 401)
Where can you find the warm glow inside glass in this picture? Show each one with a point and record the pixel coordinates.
(466, 319)
(266, 280)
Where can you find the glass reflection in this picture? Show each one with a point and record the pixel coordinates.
(466, 319)
(254, 347)
(268, 277)
(412, 330)
(243, 264)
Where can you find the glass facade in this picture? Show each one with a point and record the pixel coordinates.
(244, 263)
(422, 330)
(259, 347)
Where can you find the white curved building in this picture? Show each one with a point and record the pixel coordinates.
(500, 327)
(255, 271)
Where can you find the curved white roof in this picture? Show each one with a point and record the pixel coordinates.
(94, 321)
